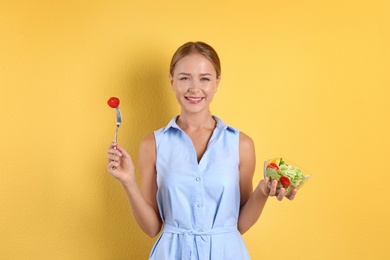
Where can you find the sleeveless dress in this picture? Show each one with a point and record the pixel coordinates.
(198, 202)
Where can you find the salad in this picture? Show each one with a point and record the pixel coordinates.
(288, 176)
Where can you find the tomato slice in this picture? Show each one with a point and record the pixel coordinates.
(284, 181)
(113, 102)
(273, 166)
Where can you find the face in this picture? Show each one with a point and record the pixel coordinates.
(194, 82)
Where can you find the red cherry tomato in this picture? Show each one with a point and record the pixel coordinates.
(273, 166)
(113, 102)
(284, 181)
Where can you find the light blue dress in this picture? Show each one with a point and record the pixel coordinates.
(198, 202)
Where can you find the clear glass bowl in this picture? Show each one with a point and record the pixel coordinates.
(288, 174)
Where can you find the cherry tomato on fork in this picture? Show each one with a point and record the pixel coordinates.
(113, 102)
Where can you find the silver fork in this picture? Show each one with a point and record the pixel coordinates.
(118, 123)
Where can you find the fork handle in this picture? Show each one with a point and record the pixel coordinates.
(116, 135)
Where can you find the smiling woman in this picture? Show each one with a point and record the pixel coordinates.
(194, 82)
(202, 198)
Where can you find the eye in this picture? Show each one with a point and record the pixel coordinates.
(184, 78)
(205, 79)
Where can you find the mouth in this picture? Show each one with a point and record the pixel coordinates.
(194, 100)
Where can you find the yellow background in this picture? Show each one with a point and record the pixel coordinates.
(307, 80)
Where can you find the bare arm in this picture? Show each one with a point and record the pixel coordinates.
(253, 201)
(142, 201)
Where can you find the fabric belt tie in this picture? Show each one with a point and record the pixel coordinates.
(190, 235)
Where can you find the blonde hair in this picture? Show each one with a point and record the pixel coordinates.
(196, 47)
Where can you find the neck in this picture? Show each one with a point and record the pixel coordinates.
(196, 121)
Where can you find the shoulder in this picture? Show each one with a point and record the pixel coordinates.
(246, 149)
(148, 145)
(246, 141)
(148, 140)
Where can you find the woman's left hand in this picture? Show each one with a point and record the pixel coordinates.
(272, 191)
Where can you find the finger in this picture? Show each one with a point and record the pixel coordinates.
(113, 152)
(281, 194)
(273, 188)
(113, 158)
(291, 196)
(264, 186)
(122, 151)
(112, 166)
(112, 145)
(266, 180)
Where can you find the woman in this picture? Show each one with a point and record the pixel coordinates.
(196, 172)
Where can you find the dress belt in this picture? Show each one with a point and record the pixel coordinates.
(190, 235)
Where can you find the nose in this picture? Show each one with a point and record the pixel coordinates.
(193, 89)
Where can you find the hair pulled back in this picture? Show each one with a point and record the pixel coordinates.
(196, 47)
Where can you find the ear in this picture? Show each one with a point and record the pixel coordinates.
(171, 80)
(218, 81)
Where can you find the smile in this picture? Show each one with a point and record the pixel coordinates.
(194, 100)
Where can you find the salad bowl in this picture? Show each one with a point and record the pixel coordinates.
(289, 175)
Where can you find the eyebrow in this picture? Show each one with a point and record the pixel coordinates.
(189, 74)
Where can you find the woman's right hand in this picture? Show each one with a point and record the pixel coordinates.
(120, 164)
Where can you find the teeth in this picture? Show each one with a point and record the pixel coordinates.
(194, 99)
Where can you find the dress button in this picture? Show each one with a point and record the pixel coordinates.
(200, 230)
(197, 179)
(200, 205)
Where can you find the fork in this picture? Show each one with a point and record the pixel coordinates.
(118, 123)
